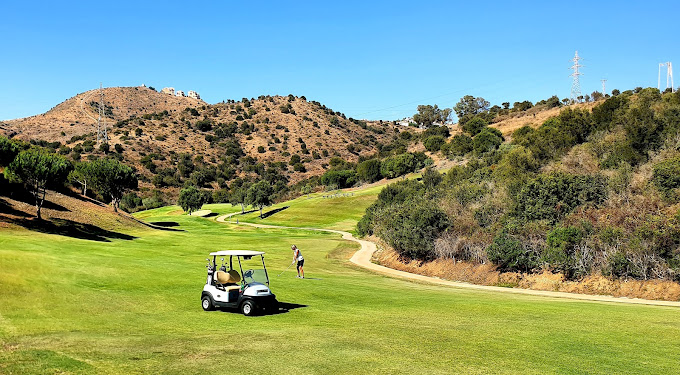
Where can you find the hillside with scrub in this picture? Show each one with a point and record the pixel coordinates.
(589, 196)
(175, 142)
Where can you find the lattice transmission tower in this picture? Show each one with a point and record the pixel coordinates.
(575, 84)
(102, 137)
(669, 76)
(604, 91)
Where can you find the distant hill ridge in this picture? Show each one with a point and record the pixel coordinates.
(144, 122)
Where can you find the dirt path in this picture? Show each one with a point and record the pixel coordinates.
(363, 256)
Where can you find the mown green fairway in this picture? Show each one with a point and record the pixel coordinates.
(333, 210)
(133, 306)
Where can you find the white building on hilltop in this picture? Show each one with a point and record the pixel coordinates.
(180, 93)
(193, 94)
(168, 90)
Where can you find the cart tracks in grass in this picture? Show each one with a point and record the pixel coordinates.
(362, 258)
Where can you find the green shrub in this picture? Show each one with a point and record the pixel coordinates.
(130, 202)
(619, 266)
(666, 176)
(395, 193)
(519, 135)
(576, 122)
(488, 214)
(431, 178)
(442, 131)
(621, 153)
(294, 159)
(410, 229)
(369, 170)
(552, 196)
(488, 139)
(510, 255)
(299, 167)
(604, 114)
(434, 143)
(460, 145)
(474, 126)
(515, 164)
(204, 125)
(468, 192)
(401, 164)
(341, 179)
(560, 253)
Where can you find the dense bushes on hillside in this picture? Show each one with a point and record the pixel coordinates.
(584, 193)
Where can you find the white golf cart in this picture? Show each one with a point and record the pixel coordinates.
(248, 291)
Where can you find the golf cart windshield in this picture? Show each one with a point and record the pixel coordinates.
(258, 276)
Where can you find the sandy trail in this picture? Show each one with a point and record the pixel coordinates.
(363, 256)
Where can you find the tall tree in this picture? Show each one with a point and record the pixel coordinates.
(238, 196)
(428, 115)
(469, 106)
(369, 170)
(38, 169)
(82, 173)
(191, 199)
(260, 195)
(113, 179)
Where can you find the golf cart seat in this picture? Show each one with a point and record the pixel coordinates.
(226, 278)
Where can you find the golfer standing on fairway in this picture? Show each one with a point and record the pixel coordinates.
(297, 256)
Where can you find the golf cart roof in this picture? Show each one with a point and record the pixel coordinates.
(241, 253)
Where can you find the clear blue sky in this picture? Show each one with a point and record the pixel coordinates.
(374, 60)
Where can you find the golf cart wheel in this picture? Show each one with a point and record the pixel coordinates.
(207, 303)
(248, 308)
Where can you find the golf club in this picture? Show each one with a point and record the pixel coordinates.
(284, 270)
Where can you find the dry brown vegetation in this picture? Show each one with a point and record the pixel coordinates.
(486, 274)
(324, 133)
(533, 117)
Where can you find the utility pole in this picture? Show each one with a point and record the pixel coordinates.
(101, 121)
(575, 84)
(669, 76)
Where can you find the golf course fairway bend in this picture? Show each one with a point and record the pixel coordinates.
(130, 304)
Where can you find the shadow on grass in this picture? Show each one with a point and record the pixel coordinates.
(274, 211)
(284, 307)
(160, 225)
(212, 214)
(24, 196)
(245, 212)
(165, 224)
(63, 227)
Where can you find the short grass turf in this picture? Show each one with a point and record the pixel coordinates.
(133, 307)
(332, 210)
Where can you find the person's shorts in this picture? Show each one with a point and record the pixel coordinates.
(300, 263)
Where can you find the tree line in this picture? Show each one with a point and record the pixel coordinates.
(587, 192)
(38, 169)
